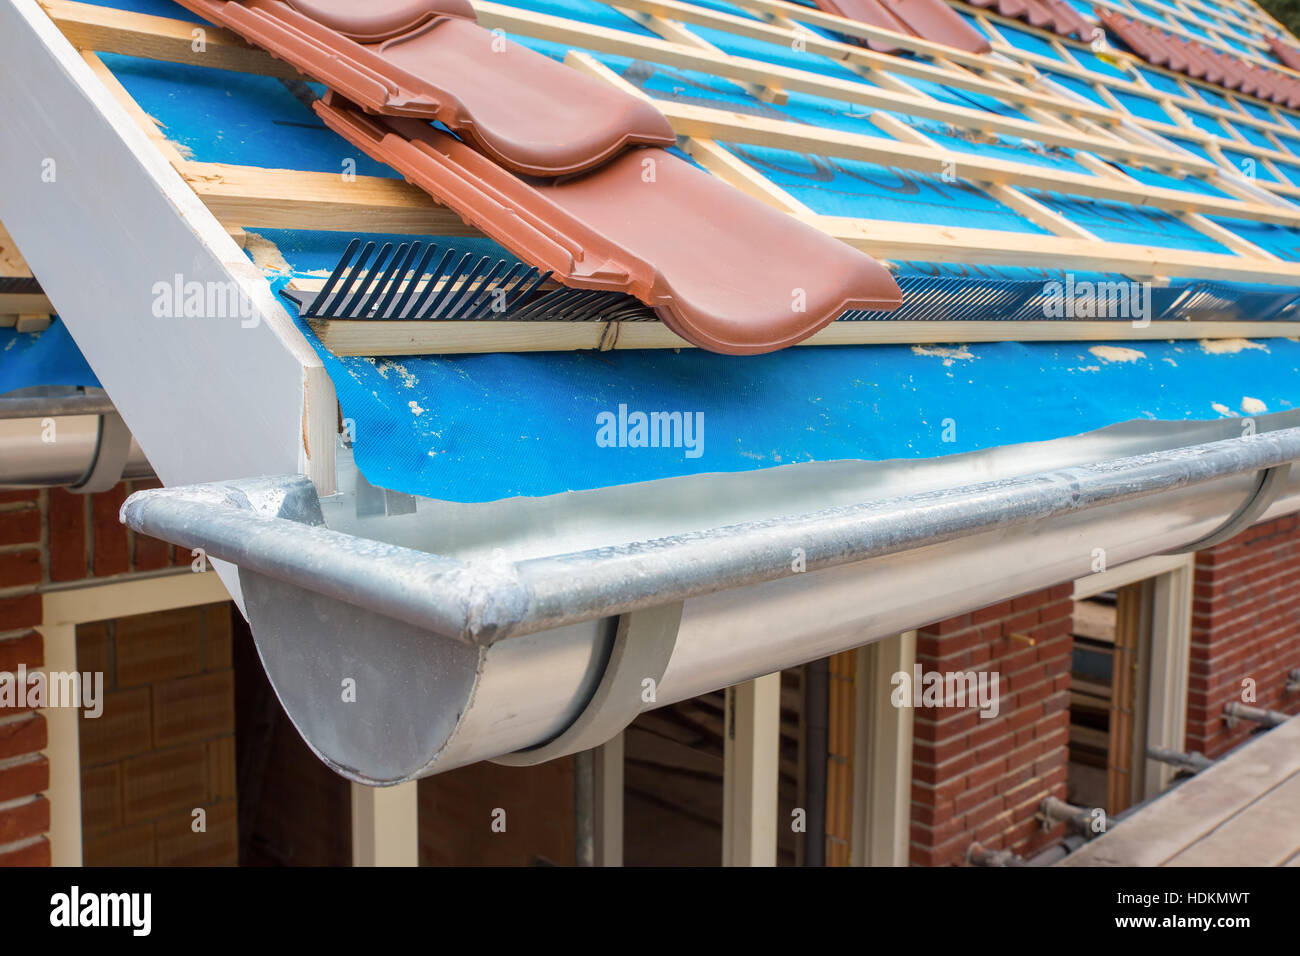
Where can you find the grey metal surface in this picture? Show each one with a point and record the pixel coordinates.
(73, 402)
(883, 565)
(28, 459)
(482, 601)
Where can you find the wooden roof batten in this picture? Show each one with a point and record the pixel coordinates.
(242, 196)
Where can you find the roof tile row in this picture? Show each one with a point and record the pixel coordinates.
(1200, 62)
(930, 20)
(1055, 15)
(560, 168)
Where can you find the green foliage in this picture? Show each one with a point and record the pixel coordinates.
(1287, 11)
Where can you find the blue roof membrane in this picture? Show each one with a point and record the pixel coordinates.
(1282, 241)
(156, 8)
(832, 186)
(223, 116)
(50, 357)
(483, 427)
(584, 11)
(1162, 82)
(1092, 62)
(1121, 222)
(1249, 166)
(1078, 87)
(1029, 42)
(1142, 106)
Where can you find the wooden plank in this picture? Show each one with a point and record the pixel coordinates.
(901, 241)
(373, 337)
(22, 303)
(146, 122)
(1094, 619)
(1265, 833)
(1160, 831)
(856, 28)
(692, 120)
(1123, 700)
(107, 30)
(292, 199)
(622, 43)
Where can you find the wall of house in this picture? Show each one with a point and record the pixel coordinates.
(158, 766)
(982, 779)
(1245, 625)
(49, 538)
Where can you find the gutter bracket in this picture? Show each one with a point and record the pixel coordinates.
(111, 453)
(643, 645)
(1271, 482)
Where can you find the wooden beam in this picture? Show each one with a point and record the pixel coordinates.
(882, 760)
(623, 43)
(708, 123)
(293, 199)
(751, 763)
(865, 31)
(923, 243)
(90, 27)
(374, 337)
(386, 825)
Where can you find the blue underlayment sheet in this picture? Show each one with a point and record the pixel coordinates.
(482, 427)
(28, 359)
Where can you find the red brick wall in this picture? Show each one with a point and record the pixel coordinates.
(165, 744)
(1245, 624)
(981, 779)
(50, 537)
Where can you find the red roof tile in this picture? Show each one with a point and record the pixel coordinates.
(931, 20)
(1287, 54)
(1199, 61)
(525, 110)
(724, 271)
(937, 22)
(1055, 15)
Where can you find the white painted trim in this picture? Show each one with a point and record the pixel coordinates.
(608, 770)
(750, 767)
(386, 825)
(63, 750)
(1171, 640)
(882, 756)
(207, 398)
(62, 609)
(112, 599)
(1130, 573)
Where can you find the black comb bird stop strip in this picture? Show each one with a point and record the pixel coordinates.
(381, 282)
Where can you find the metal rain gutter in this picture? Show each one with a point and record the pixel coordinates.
(55, 437)
(453, 661)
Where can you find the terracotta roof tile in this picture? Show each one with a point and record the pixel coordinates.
(721, 269)
(1200, 61)
(1055, 15)
(1286, 54)
(525, 110)
(931, 20)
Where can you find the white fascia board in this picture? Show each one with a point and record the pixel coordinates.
(207, 398)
